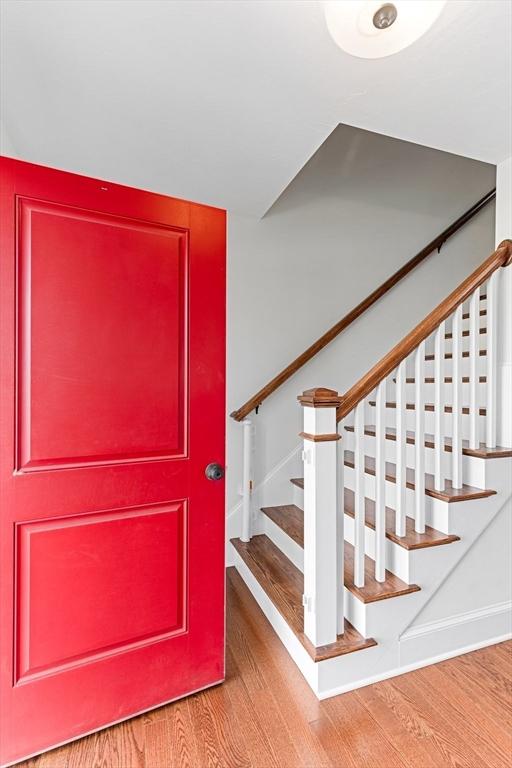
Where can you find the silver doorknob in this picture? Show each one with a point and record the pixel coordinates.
(214, 472)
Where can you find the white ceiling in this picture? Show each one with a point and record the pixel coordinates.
(224, 101)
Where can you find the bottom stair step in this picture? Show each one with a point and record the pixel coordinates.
(284, 585)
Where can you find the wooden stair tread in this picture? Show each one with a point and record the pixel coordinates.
(373, 590)
(482, 452)
(449, 356)
(450, 494)
(449, 335)
(483, 313)
(298, 481)
(289, 518)
(284, 583)
(412, 539)
(447, 380)
(429, 407)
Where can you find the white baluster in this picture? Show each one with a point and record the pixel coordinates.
(439, 402)
(490, 421)
(419, 439)
(359, 497)
(457, 399)
(380, 483)
(401, 450)
(340, 532)
(474, 331)
(247, 481)
(321, 521)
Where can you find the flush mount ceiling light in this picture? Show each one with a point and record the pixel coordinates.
(372, 29)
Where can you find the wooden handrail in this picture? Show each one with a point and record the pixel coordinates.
(501, 257)
(256, 400)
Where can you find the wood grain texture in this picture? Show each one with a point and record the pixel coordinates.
(412, 539)
(258, 398)
(429, 407)
(373, 590)
(457, 713)
(328, 438)
(500, 258)
(449, 494)
(482, 452)
(289, 518)
(284, 584)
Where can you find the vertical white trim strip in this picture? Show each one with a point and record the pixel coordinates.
(419, 439)
(474, 331)
(439, 403)
(401, 447)
(490, 421)
(457, 399)
(359, 498)
(380, 483)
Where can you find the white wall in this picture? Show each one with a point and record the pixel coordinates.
(503, 232)
(360, 208)
(504, 200)
(6, 145)
(482, 579)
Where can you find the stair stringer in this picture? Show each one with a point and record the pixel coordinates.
(387, 620)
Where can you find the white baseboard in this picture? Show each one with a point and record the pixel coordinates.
(402, 670)
(450, 636)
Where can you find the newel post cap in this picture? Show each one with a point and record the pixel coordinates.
(320, 397)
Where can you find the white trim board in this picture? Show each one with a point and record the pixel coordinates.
(450, 636)
(402, 670)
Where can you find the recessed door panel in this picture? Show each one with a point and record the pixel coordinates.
(96, 584)
(102, 338)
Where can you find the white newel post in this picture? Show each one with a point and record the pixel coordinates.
(323, 540)
(247, 482)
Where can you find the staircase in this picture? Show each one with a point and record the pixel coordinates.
(402, 474)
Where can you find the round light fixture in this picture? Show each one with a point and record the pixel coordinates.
(372, 29)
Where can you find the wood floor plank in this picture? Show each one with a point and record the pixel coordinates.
(396, 720)
(259, 747)
(182, 735)
(488, 740)
(438, 731)
(289, 733)
(362, 735)
(158, 744)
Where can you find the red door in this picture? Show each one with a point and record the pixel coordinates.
(112, 350)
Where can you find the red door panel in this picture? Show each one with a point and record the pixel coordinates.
(112, 351)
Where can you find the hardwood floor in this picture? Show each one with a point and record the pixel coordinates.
(457, 714)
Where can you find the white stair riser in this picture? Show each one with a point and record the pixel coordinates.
(285, 543)
(398, 559)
